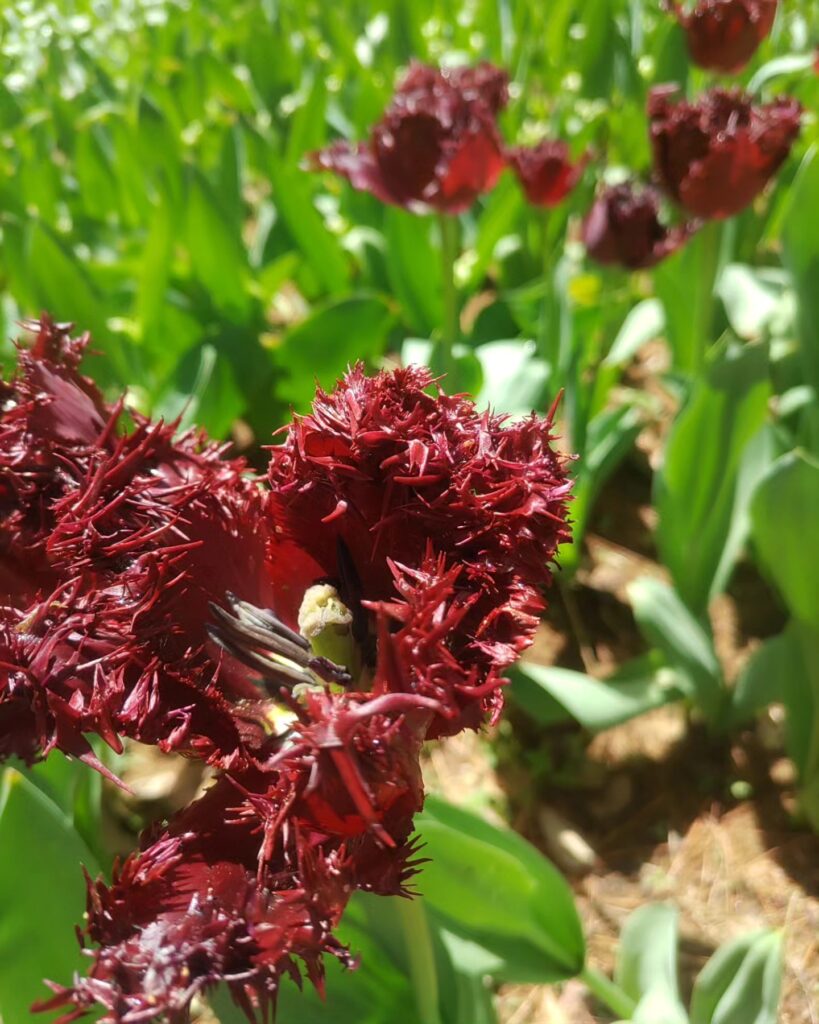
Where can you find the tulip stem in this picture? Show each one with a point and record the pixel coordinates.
(546, 256)
(421, 958)
(711, 237)
(608, 992)
(451, 332)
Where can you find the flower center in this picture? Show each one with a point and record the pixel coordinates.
(284, 658)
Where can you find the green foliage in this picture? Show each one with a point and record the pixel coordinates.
(524, 925)
(701, 491)
(739, 984)
(41, 889)
(647, 964)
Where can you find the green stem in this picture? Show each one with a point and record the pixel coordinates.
(711, 241)
(543, 325)
(609, 994)
(450, 333)
(421, 956)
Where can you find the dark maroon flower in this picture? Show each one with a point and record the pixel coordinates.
(247, 884)
(416, 534)
(437, 147)
(546, 171)
(723, 35)
(716, 155)
(624, 228)
(129, 537)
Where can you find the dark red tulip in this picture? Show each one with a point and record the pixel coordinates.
(162, 605)
(723, 35)
(437, 147)
(624, 228)
(715, 155)
(546, 172)
(113, 542)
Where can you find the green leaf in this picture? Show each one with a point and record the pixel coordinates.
(42, 895)
(496, 221)
(514, 377)
(321, 347)
(321, 249)
(60, 282)
(671, 628)
(414, 268)
(610, 436)
(801, 256)
(202, 391)
(155, 267)
(217, 254)
(751, 303)
(787, 64)
(644, 323)
(696, 486)
(741, 982)
(548, 693)
(646, 966)
(763, 680)
(490, 887)
(77, 791)
(786, 531)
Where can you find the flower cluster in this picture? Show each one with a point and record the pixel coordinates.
(438, 146)
(171, 597)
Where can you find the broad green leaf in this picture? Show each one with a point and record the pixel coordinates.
(646, 967)
(42, 895)
(489, 886)
(787, 64)
(203, 391)
(95, 174)
(801, 256)
(60, 281)
(696, 486)
(548, 693)
(414, 267)
(497, 220)
(741, 982)
(216, 250)
(751, 303)
(786, 531)
(671, 628)
(294, 201)
(514, 377)
(685, 284)
(408, 933)
(764, 678)
(332, 338)
(154, 271)
(644, 323)
(610, 436)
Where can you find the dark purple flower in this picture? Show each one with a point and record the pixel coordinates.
(437, 147)
(624, 228)
(714, 156)
(546, 171)
(723, 35)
